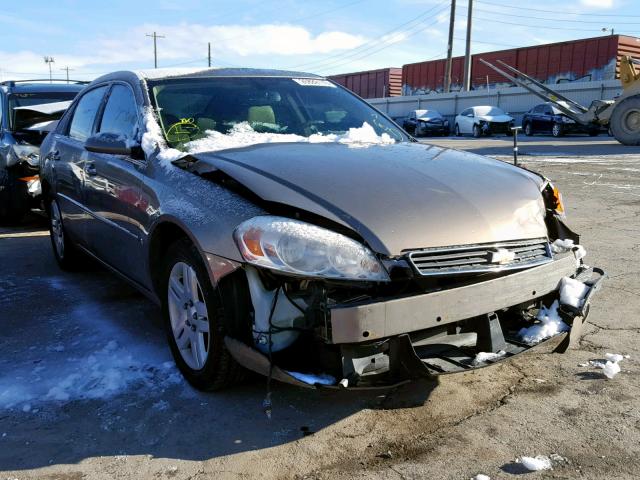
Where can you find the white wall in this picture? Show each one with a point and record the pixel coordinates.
(514, 100)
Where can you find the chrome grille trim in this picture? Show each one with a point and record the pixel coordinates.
(476, 258)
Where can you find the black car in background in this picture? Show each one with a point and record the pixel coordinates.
(547, 118)
(426, 122)
(29, 109)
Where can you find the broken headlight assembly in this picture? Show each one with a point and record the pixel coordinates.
(553, 199)
(300, 248)
(23, 153)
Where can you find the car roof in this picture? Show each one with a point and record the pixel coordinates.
(164, 73)
(42, 87)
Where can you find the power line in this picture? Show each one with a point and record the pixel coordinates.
(374, 43)
(555, 12)
(551, 19)
(543, 27)
(67, 70)
(155, 37)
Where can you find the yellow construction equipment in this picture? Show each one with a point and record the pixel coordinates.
(620, 116)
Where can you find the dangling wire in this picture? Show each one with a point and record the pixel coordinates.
(266, 403)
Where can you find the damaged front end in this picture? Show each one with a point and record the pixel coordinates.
(441, 312)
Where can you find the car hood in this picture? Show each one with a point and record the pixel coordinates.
(495, 118)
(396, 197)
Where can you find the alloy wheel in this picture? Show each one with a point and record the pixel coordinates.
(188, 315)
(556, 130)
(56, 229)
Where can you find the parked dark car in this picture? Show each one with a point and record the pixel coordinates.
(286, 226)
(547, 118)
(426, 122)
(28, 111)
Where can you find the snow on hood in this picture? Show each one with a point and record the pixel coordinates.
(242, 135)
(47, 108)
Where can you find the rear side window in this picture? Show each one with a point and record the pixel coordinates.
(121, 113)
(539, 109)
(81, 126)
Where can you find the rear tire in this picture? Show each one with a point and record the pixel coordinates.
(192, 313)
(14, 197)
(556, 130)
(625, 121)
(528, 131)
(66, 253)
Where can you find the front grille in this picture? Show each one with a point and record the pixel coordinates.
(493, 257)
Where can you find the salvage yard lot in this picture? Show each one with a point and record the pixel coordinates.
(87, 385)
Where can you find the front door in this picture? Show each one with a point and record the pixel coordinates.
(112, 188)
(68, 157)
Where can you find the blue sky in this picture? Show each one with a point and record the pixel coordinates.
(326, 37)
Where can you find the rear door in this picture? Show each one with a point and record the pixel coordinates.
(68, 158)
(112, 187)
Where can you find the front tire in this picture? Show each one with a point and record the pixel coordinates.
(528, 131)
(457, 131)
(556, 130)
(191, 309)
(625, 121)
(477, 133)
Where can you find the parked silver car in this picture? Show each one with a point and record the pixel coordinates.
(286, 226)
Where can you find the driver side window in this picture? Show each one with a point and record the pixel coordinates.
(120, 115)
(81, 126)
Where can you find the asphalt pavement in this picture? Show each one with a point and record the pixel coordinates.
(88, 389)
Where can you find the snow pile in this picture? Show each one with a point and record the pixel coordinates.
(610, 368)
(243, 135)
(537, 463)
(481, 476)
(561, 246)
(572, 292)
(313, 379)
(483, 357)
(550, 325)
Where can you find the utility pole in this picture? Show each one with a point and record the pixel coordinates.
(67, 70)
(209, 55)
(49, 60)
(155, 47)
(447, 73)
(467, 52)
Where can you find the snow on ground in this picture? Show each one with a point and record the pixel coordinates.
(93, 357)
(537, 463)
(550, 325)
(610, 367)
(481, 476)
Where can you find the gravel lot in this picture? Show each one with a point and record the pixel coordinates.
(87, 389)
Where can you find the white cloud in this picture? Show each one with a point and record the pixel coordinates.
(597, 3)
(183, 41)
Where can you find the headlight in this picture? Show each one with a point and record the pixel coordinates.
(553, 199)
(25, 153)
(297, 247)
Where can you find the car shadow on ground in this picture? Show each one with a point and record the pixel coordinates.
(87, 372)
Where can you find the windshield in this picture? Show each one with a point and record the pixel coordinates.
(19, 120)
(488, 111)
(196, 108)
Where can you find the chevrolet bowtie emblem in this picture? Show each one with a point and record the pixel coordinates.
(501, 256)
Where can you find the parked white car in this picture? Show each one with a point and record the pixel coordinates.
(483, 120)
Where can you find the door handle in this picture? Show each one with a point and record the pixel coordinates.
(90, 169)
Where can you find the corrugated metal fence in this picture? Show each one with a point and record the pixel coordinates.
(514, 100)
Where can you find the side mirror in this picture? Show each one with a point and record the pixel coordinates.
(110, 143)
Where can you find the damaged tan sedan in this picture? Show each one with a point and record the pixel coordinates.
(287, 227)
